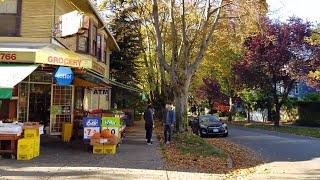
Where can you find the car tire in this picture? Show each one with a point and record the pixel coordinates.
(225, 134)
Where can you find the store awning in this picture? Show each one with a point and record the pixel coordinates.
(39, 53)
(11, 75)
(5, 93)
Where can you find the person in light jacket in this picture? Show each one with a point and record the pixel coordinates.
(169, 121)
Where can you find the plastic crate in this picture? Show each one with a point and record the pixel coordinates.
(36, 148)
(66, 133)
(24, 156)
(31, 133)
(25, 146)
(109, 149)
(98, 149)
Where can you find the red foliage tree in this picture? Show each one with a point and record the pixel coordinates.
(275, 58)
(210, 91)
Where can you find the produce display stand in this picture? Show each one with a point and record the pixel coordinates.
(11, 139)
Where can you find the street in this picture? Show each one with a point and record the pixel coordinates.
(290, 155)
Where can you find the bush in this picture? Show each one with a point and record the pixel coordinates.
(309, 114)
(312, 97)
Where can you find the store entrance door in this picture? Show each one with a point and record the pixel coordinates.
(39, 103)
(61, 107)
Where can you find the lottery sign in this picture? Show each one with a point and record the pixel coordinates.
(91, 125)
(90, 131)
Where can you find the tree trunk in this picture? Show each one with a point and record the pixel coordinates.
(181, 99)
(181, 95)
(277, 115)
(248, 116)
(269, 106)
(230, 109)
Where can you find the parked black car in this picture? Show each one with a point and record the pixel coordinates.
(208, 125)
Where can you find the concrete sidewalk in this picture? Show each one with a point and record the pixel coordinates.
(134, 160)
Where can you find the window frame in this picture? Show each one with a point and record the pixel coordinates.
(105, 52)
(99, 48)
(93, 40)
(17, 31)
(78, 42)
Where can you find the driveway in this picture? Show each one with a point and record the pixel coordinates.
(288, 156)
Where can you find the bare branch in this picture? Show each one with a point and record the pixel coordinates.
(155, 14)
(206, 39)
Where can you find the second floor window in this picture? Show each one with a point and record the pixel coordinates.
(83, 42)
(94, 40)
(10, 11)
(99, 43)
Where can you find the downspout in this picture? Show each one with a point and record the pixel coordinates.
(54, 20)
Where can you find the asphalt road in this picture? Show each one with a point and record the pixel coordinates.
(277, 146)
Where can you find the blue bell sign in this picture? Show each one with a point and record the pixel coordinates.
(63, 76)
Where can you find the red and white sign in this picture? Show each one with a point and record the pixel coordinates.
(90, 131)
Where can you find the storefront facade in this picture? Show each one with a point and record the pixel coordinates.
(30, 57)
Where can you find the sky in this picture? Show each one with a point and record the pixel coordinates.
(305, 9)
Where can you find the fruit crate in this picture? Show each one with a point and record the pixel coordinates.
(109, 149)
(98, 149)
(24, 156)
(31, 133)
(25, 146)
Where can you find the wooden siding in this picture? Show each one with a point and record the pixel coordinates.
(37, 18)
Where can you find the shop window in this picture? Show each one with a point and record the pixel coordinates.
(8, 107)
(83, 42)
(42, 77)
(99, 44)
(10, 13)
(23, 101)
(62, 108)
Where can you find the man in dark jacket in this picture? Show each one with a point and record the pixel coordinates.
(169, 121)
(148, 117)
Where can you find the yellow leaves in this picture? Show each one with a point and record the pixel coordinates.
(315, 75)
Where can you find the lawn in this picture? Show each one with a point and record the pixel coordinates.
(304, 131)
(193, 144)
(298, 130)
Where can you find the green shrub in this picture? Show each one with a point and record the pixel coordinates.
(312, 97)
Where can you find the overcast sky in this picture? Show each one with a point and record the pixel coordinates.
(305, 9)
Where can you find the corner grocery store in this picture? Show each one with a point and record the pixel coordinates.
(29, 93)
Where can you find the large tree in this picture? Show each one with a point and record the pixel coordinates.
(275, 58)
(190, 26)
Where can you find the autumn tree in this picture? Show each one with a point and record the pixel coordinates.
(191, 26)
(210, 91)
(275, 58)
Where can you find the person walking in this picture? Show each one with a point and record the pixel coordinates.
(169, 121)
(148, 117)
